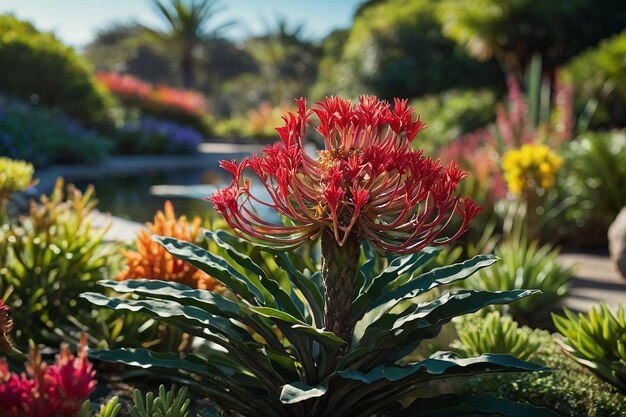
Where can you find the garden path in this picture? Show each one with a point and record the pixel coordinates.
(596, 279)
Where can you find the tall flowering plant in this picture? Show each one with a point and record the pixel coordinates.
(334, 340)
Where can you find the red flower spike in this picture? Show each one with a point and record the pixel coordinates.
(367, 183)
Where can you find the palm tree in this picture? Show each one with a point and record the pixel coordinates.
(187, 22)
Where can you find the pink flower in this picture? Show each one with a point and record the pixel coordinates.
(58, 390)
(183, 100)
(125, 86)
(73, 377)
(367, 183)
(135, 90)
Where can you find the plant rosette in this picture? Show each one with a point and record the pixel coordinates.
(334, 340)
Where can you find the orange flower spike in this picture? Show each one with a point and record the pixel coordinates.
(152, 261)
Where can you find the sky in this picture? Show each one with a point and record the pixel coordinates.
(76, 21)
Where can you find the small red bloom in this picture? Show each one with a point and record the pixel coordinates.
(367, 183)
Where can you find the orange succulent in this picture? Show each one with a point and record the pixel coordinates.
(152, 261)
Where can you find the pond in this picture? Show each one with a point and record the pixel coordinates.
(138, 197)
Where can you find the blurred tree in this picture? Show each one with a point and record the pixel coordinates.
(599, 77)
(513, 30)
(127, 48)
(395, 48)
(287, 62)
(187, 22)
(221, 78)
(329, 72)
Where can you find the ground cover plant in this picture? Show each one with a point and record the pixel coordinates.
(569, 390)
(333, 339)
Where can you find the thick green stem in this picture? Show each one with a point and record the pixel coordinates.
(339, 268)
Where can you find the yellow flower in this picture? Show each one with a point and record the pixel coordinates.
(529, 167)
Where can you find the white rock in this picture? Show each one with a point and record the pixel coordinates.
(617, 241)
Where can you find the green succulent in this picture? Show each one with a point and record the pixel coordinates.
(495, 333)
(526, 265)
(266, 343)
(168, 403)
(48, 258)
(111, 408)
(597, 340)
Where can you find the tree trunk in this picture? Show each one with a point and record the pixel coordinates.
(186, 68)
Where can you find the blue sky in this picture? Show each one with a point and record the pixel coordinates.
(76, 21)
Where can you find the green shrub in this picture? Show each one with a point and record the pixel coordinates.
(596, 168)
(453, 113)
(43, 136)
(569, 389)
(395, 48)
(597, 340)
(495, 334)
(48, 258)
(599, 76)
(513, 31)
(14, 176)
(39, 68)
(526, 265)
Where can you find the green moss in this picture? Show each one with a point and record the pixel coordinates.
(570, 389)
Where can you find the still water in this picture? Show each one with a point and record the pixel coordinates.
(139, 197)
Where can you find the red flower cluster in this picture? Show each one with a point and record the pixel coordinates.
(125, 86)
(366, 184)
(132, 89)
(184, 100)
(58, 390)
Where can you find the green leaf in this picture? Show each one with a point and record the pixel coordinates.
(465, 406)
(220, 237)
(402, 332)
(311, 292)
(419, 285)
(212, 302)
(446, 363)
(437, 277)
(299, 391)
(218, 268)
(283, 299)
(320, 335)
(189, 318)
(222, 388)
(144, 358)
(397, 267)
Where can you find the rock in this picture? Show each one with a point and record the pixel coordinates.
(617, 241)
